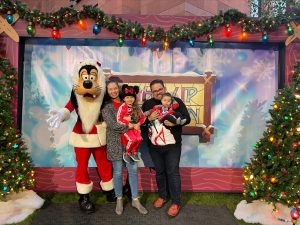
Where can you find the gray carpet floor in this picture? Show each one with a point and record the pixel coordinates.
(69, 214)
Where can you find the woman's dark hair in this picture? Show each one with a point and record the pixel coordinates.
(106, 97)
(136, 112)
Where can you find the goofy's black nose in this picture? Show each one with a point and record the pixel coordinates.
(87, 84)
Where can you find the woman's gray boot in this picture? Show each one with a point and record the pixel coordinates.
(136, 204)
(119, 206)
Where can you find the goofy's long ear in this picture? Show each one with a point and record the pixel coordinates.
(136, 89)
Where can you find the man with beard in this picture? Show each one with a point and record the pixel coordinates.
(89, 133)
(166, 156)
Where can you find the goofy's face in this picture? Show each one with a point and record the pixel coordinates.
(88, 83)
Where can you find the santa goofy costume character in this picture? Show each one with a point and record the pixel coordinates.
(89, 133)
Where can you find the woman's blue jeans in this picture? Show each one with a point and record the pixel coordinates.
(118, 177)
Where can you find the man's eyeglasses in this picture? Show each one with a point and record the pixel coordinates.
(156, 91)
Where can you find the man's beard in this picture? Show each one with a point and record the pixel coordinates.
(88, 112)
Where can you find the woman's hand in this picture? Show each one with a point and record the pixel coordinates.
(128, 118)
(137, 126)
(153, 116)
(131, 126)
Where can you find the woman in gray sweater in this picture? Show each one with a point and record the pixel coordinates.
(115, 147)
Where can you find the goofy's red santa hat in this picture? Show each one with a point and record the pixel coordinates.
(89, 133)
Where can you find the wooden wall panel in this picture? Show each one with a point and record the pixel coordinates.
(148, 7)
(192, 179)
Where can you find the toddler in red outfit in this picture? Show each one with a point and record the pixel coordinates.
(167, 110)
(130, 112)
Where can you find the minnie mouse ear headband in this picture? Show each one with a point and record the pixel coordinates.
(129, 91)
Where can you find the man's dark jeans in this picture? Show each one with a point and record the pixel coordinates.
(166, 162)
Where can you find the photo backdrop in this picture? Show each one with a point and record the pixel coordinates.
(246, 82)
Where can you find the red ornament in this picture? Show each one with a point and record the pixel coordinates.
(55, 33)
(283, 194)
(284, 170)
(143, 41)
(228, 30)
(295, 214)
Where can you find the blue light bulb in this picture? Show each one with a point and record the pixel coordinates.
(96, 29)
(192, 43)
(265, 37)
(9, 19)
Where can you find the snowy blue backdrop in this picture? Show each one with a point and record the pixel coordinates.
(247, 80)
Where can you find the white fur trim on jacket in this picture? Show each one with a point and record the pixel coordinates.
(84, 188)
(101, 131)
(84, 140)
(107, 186)
(66, 113)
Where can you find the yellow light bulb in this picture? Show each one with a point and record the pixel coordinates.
(166, 45)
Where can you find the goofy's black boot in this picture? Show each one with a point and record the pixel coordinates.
(110, 195)
(85, 204)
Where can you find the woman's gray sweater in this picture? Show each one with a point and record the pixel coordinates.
(113, 132)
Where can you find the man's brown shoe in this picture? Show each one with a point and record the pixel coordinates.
(159, 203)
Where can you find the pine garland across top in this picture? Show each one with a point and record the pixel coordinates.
(134, 30)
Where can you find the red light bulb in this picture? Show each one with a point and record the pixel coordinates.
(55, 33)
(228, 30)
(143, 41)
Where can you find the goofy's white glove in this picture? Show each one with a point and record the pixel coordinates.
(55, 119)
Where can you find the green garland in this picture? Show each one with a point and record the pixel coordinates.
(134, 30)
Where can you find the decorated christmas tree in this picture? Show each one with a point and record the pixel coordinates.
(273, 175)
(16, 173)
